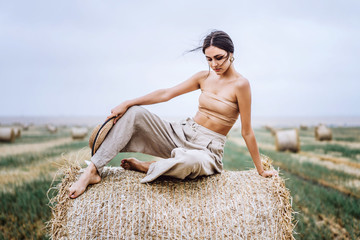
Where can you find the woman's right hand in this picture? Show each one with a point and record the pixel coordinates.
(269, 173)
(118, 111)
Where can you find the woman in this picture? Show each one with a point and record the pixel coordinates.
(190, 148)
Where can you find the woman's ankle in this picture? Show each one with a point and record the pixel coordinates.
(92, 169)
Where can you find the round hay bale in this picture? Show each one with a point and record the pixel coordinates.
(79, 133)
(231, 205)
(17, 131)
(303, 127)
(25, 126)
(323, 133)
(7, 134)
(287, 140)
(51, 128)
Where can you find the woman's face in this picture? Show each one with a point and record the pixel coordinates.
(218, 59)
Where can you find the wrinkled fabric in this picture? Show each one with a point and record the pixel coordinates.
(187, 148)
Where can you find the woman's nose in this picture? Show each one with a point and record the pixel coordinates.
(213, 63)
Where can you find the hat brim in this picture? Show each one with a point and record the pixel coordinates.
(99, 134)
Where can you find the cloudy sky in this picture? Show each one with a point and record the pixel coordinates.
(80, 58)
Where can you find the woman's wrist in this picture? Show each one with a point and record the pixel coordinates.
(261, 172)
(128, 104)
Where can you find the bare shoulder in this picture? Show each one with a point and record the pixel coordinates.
(191, 84)
(243, 93)
(201, 76)
(242, 84)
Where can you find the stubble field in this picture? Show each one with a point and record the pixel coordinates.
(323, 178)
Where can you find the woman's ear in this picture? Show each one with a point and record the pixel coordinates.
(231, 57)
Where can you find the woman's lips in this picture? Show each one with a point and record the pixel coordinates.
(217, 69)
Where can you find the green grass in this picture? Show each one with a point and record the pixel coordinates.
(39, 135)
(23, 213)
(311, 170)
(21, 160)
(321, 200)
(329, 148)
(236, 158)
(349, 134)
(310, 132)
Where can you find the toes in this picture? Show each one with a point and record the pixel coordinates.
(125, 163)
(72, 193)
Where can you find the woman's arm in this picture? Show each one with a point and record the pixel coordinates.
(161, 95)
(243, 93)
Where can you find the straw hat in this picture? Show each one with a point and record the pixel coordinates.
(99, 134)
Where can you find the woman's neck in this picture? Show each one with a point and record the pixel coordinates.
(229, 73)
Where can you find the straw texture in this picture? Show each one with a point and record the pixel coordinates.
(231, 205)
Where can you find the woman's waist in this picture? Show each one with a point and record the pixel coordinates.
(226, 117)
(211, 124)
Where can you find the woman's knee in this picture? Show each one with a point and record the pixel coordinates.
(191, 163)
(136, 110)
(135, 114)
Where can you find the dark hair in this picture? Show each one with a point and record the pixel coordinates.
(219, 39)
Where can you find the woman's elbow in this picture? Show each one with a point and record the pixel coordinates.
(247, 132)
(165, 95)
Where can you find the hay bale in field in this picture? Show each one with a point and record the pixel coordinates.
(231, 205)
(323, 133)
(17, 131)
(287, 140)
(51, 128)
(303, 127)
(79, 132)
(7, 134)
(25, 126)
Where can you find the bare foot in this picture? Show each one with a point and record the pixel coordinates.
(90, 176)
(135, 164)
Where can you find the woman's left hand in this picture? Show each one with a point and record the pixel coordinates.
(269, 173)
(118, 111)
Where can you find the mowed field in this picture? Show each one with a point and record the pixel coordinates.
(323, 179)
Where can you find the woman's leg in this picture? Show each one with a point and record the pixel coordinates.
(184, 163)
(137, 131)
(135, 164)
(90, 176)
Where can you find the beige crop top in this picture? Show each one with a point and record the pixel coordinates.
(218, 108)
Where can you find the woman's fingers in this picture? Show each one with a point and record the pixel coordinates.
(270, 173)
(110, 116)
(116, 119)
(274, 173)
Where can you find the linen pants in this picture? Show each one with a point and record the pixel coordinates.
(187, 148)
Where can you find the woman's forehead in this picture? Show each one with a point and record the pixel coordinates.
(213, 51)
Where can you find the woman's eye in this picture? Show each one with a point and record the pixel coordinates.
(209, 59)
(219, 58)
